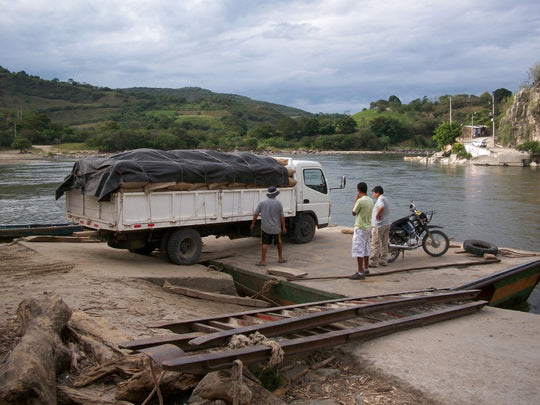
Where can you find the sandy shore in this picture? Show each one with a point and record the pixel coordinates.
(39, 152)
(8, 157)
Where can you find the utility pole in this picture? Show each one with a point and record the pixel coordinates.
(450, 109)
(493, 115)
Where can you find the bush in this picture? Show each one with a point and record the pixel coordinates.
(459, 150)
(533, 147)
(22, 144)
(446, 133)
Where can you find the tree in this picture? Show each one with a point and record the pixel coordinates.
(501, 94)
(287, 128)
(446, 133)
(394, 100)
(308, 126)
(390, 127)
(535, 74)
(22, 144)
(346, 125)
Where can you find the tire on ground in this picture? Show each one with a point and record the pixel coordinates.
(480, 247)
(184, 246)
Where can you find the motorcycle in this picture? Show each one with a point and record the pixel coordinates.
(413, 231)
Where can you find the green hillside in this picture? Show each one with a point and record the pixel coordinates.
(38, 111)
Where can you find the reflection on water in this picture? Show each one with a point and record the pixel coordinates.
(27, 192)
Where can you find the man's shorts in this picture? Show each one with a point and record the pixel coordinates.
(268, 238)
(360, 243)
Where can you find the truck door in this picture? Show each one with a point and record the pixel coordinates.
(315, 194)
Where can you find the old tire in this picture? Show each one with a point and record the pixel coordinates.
(479, 247)
(304, 229)
(184, 246)
(437, 245)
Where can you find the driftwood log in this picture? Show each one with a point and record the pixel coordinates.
(29, 374)
(68, 357)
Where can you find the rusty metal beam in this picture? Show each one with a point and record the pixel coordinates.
(213, 333)
(200, 363)
(312, 320)
(185, 326)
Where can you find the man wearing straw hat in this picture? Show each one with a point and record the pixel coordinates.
(272, 224)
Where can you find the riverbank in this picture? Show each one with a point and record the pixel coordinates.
(496, 156)
(46, 152)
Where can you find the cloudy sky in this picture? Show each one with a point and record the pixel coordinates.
(317, 55)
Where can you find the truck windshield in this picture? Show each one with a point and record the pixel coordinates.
(314, 179)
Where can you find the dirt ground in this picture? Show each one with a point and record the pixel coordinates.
(130, 304)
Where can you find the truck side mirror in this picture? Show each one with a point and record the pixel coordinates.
(342, 184)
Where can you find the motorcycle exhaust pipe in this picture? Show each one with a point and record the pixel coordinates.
(402, 247)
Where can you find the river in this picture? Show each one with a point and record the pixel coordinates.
(500, 205)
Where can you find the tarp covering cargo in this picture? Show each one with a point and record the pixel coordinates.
(100, 176)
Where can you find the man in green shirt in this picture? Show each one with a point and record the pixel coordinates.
(363, 207)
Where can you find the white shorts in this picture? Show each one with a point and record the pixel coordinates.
(360, 243)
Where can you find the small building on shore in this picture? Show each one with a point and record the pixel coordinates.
(474, 131)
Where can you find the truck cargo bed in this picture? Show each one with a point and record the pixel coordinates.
(162, 209)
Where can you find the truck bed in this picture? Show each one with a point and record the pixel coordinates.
(128, 211)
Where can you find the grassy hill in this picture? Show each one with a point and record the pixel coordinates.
(79, 104)
(50, 111)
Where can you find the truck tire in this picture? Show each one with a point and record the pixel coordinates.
(479, 247)
(184, 246)
(304, 229)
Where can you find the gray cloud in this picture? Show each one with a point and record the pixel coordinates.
(329, 56)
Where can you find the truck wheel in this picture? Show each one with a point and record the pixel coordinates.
(304, 229)
(184, 246)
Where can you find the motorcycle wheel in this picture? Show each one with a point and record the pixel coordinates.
(393, 253)
(437, 245)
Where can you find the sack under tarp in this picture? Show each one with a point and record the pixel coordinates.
(100, 176)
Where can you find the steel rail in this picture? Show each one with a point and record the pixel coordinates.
(201, 363)
(217, 333)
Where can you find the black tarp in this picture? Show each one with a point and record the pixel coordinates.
(99, 176)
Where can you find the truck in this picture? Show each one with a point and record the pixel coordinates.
(164, 213)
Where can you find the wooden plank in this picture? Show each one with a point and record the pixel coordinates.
(385, 272)
(82, 234)
(231, 299)
(207, 256)
(65, 239)
(286, 272)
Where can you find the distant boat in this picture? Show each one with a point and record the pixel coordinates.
(10, 232)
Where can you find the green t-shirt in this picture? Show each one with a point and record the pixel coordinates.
(363, 208)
